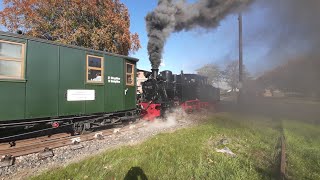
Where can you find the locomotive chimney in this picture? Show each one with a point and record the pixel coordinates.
(154, 73)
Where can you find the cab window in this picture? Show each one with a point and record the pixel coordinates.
(130, 74)
(94, 69)
(11, 60)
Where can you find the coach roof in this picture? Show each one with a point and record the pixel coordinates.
(65, 45)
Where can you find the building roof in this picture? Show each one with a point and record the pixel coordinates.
(141, 70)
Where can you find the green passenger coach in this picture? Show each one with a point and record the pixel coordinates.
(47, 82)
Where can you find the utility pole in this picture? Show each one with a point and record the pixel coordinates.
(240, 58)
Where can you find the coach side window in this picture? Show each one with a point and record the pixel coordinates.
(11, 60)
(94, 69)
(129, 74)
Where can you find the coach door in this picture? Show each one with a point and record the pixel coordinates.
(114, 91)
(130, 85)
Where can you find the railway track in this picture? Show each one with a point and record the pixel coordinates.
(282, 156)
(281, 160)
(283, 163)
(44, 145)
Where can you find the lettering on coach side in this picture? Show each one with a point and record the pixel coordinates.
(114, 80)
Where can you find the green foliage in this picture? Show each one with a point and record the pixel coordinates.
(188, 154)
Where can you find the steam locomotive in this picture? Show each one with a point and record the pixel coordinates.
(166, 90)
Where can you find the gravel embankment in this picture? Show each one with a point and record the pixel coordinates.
(30, 165)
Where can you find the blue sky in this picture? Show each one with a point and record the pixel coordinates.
(191, 50)
(185, 50)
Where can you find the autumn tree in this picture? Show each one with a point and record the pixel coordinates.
(231, 75)
(211, 71)
(97, 24)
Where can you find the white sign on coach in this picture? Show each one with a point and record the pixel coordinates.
(80, 95)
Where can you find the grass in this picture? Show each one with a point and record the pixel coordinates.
(303, 149)
(189, 154)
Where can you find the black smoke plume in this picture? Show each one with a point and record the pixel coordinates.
(174, 16)
(291, 29)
